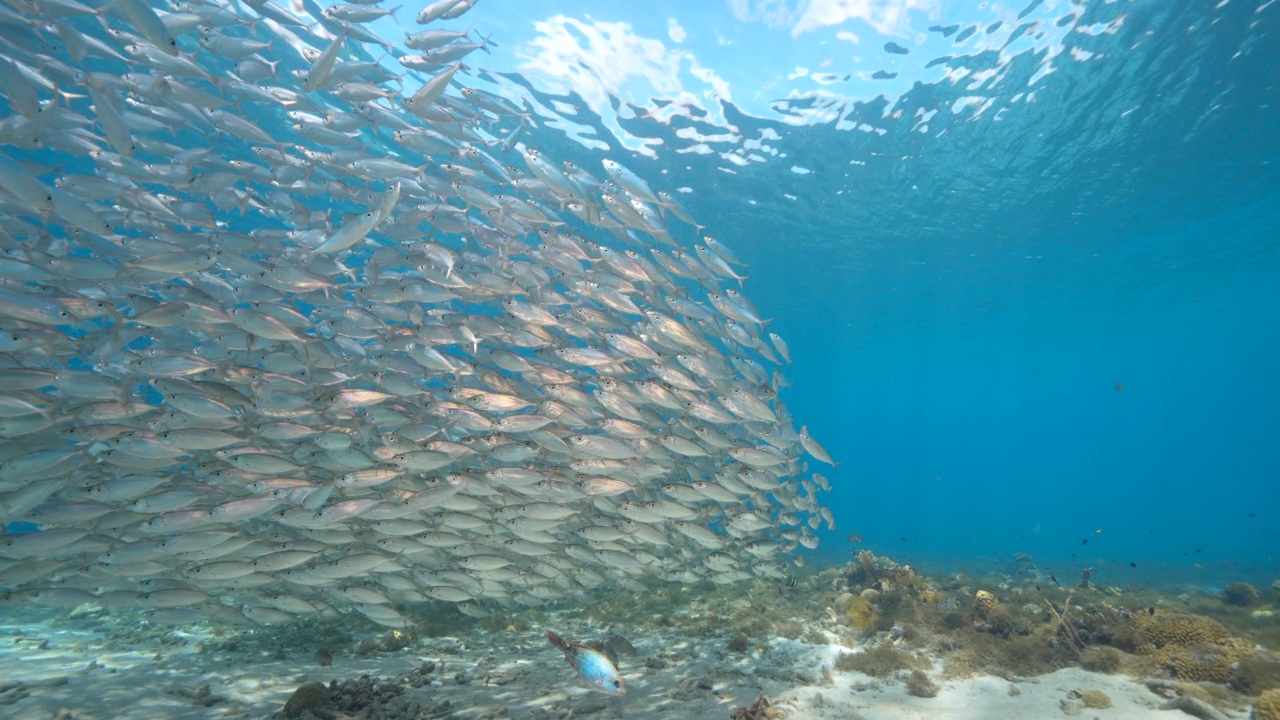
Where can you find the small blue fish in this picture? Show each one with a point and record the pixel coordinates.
(596, 670)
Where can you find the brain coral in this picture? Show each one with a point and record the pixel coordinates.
(862, 614)
(1173, 627)
(1190, 647)
(1204, 663)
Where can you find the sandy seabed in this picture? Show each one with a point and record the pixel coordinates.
(54, 672)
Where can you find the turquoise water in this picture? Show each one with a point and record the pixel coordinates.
(1024, 257)
(1027, 311)
(968, 307)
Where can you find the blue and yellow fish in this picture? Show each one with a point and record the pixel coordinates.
(595, 668)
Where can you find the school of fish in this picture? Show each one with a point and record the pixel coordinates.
(285, 333)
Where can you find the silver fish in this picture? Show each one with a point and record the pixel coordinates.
(294, 339)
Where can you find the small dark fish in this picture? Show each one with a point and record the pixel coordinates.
(791, 581)
(1133, 564)
(854, 537)
(1054, 579)
(323, 657)
(1084, 541)
(1119, 386)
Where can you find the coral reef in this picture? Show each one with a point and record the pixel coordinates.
(1256, 674)
(1194, 646)
(990, 616)
(862, 571)
(862, 614)
(1190, 647)
(989, 625)
(1205, 663)
(1201, 701)
(1267, 706)
(1035, 630)
(1242, 594)
(1158, 628)
(984, 603)
(998, 625)
(842, 603)
(886, 576)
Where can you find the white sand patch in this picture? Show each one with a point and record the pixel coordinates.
(980, 698)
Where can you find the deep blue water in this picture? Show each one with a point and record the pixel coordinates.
(1050, 322)
(1064, 319)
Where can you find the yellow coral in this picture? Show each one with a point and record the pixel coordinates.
(1207, 662)
(1191, 647)
(1174, 627)
(1095, 699)
(862, 614)
(1267, 707)
(984, 602)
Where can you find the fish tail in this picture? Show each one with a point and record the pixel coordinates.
(557, 641)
